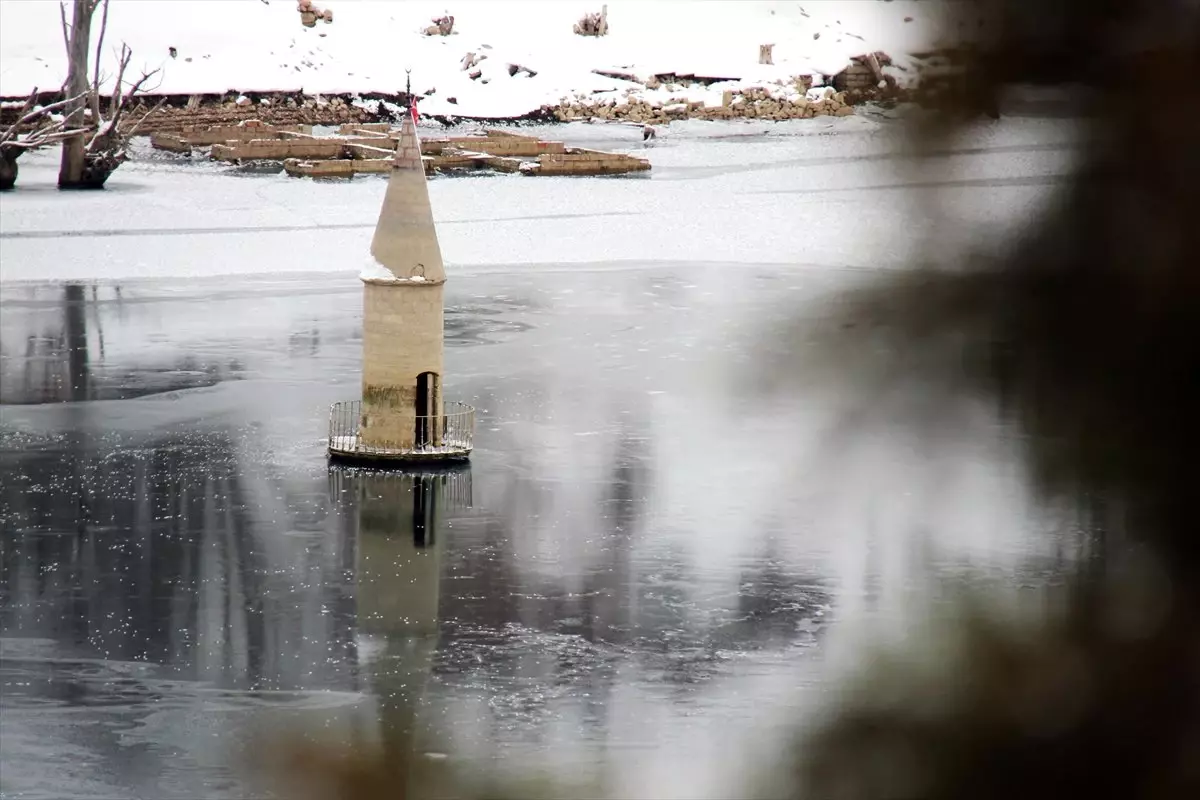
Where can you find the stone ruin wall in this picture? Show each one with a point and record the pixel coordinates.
(853, 85)
(751, 103)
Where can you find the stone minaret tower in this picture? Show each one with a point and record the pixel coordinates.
(402, 313)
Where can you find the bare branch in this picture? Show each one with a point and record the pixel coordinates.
(23, 117)
(133, 130)
(121, 103)
(62, 13)
(137, 86)
(29, 104)
(42, 138)
(35, 114)
(96, 74)
(126, 55)
(161, 77)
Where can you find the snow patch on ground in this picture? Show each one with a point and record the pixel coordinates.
(249, 46)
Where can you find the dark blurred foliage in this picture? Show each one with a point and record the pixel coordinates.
(1086, 332)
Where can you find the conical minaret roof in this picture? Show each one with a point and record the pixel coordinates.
(405, 241)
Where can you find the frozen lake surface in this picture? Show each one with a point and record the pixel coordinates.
(649, 564)
(828, 193)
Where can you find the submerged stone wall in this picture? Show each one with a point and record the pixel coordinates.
(580, 161)
(281, 110)
(187, 137)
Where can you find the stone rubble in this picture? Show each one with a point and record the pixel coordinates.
(442, 26)
(593, 24)
(770, 102)
(310, 14)
(653, 100)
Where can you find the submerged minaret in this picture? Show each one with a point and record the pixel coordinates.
(402, 415)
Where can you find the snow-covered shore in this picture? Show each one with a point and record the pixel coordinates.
(260, 46)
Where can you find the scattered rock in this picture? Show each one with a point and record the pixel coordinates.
(759, 102)
(442, 26)
(310, 14)
(593, 24)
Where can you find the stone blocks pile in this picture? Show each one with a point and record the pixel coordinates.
(171, 142)
(442, 26)
(310, 14)
(496, 143)
(750, 103)
(855, 76)
(593, 24)
(581, 161)
(187, 137)
(278, 149)
(359, 128)
(335, 168)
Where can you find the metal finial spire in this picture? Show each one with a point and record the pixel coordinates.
(408, 86)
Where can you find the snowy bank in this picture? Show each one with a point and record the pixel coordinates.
(255, 46)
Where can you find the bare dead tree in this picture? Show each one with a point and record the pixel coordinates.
(107, 148)
(87, 162)
(36, 126)
(77, 40)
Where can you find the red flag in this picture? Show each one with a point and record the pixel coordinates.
(412, 104)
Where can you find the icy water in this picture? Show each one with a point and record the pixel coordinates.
(650, 565)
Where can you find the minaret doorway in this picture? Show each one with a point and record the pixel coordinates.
(426, 411)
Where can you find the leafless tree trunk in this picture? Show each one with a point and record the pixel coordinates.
(88, 161)
(8, 169)
(77, 38)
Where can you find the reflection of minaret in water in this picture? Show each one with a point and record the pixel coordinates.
(77, 342)
(400, 527)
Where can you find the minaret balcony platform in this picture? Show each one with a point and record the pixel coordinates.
(445, 437)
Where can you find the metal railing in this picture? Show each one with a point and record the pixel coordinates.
(451, 432)
(452, 485)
